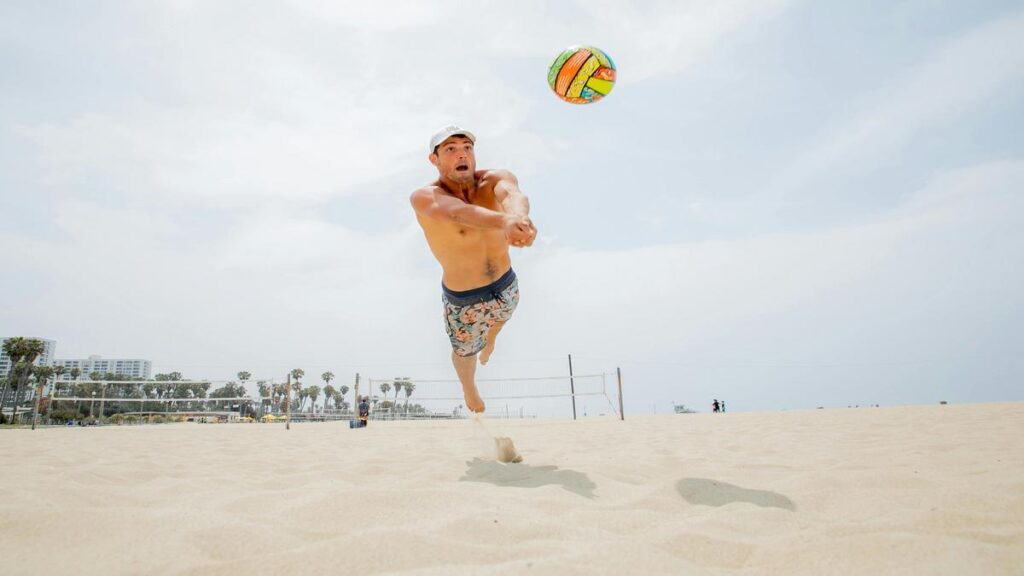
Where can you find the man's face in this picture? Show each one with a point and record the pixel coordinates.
(455, 159)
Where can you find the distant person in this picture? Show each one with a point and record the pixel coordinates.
(721, 405)
(714, 405)
(364, 412)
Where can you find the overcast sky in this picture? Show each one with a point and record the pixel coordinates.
(783, 204)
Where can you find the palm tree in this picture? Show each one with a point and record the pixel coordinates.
(342, 392)
(278, 396)
(329, 394)
(58, 371)
(409, 387)
(314, 393)
(385, 388)
(399, 384)
(43, 374)
(265, 391)
(243, 376)
(26, 350)
(327, 377)
(14, 348)
(297, 375)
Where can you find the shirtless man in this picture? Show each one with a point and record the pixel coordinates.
(470, 217)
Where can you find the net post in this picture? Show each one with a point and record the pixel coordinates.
(103, 400)
(618, 376)
(355, 401)
(288, 401)
(572, 388)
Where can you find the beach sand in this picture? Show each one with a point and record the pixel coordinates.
(904, 490)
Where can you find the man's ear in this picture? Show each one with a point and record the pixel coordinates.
(433, 158)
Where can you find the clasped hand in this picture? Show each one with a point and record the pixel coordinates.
(520, 231)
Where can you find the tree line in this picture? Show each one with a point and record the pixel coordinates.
(165, 389)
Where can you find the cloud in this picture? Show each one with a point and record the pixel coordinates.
(242, 114)
(959, 77)
(230, 109)
(647, 40)
(372, 16)
(660, 39)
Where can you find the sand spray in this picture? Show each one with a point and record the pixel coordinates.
(494, 444)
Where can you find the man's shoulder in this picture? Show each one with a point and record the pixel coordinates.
(425, 193)
(427, 190)
(493, 174)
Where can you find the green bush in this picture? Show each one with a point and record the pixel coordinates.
(63, 416)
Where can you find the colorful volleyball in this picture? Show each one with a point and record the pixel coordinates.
(582, 74)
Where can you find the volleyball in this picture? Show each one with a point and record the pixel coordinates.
(582, 75)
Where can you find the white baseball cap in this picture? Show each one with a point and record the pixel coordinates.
(446, 133)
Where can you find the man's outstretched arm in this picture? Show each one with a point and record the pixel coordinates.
(512, 199)
(434, 204)
(515, 203)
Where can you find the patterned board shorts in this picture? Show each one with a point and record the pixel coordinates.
(470, 315)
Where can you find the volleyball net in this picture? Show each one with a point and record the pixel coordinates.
(595, 394)
(92, 399)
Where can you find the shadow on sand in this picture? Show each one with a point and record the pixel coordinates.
(526, 476)
(714, 493)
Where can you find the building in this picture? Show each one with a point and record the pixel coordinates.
(45, 359)
(122, 367)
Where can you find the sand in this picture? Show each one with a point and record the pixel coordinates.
(907, 490)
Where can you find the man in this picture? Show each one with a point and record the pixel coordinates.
(364, 413)
(470, 218)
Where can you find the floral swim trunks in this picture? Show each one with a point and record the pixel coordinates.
(470, 315)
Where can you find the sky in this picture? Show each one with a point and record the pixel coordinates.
(783, 204)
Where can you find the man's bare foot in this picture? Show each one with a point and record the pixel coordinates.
(473, 400)
(485, 354)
